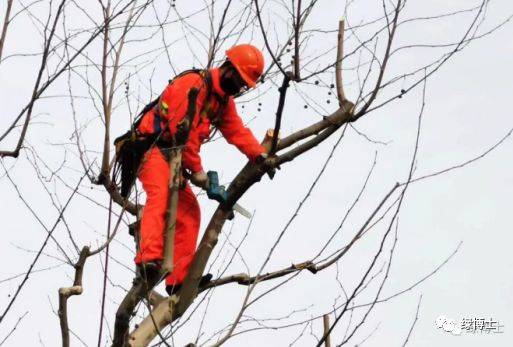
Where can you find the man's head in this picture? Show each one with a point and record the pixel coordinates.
(243, 67)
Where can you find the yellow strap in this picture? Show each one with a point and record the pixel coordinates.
(206, 109)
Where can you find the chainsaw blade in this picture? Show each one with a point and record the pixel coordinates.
(242, 211)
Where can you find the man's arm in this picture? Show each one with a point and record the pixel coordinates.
(237, 134)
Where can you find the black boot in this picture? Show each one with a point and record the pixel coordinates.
(173, 289)
(150, 271)
(204, 281)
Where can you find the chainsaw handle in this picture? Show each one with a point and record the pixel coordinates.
(213, 178)
(215, 191)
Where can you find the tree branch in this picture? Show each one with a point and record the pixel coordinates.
(15, 153)
(5, 26)
(66, 292)
(338, 66)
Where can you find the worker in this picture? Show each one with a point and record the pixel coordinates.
(215, 107)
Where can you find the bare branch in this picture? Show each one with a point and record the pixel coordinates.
(414, 322)
(5, 26)
(42, 68)
(25, 279)
(338, 67)
(279, 112)
(66, 293)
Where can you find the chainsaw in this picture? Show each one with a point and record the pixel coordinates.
(217, 192)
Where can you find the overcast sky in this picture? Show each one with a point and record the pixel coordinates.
(467, 111)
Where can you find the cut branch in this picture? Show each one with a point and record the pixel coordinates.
(338, 66)
(66, 293)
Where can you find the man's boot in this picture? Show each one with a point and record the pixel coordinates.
(173, 289)
(150, 271)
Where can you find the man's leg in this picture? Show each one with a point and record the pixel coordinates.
(186, 234)
(154, 176)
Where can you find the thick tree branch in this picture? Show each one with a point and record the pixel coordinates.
(337, 118)
(342, 116)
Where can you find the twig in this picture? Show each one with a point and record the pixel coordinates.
(264, 35)
(297, 26)
(394, 218)
(212, 50)
(105, 272)
(279, 113)
(65, 67)
(104, 171)
(5, 26)
(15, 153)
(13, 329)
(414, 322)
(465, 163)
(25, 279)
(383, 66)
(107, 98)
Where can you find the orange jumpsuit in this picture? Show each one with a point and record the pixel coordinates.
(154, 174)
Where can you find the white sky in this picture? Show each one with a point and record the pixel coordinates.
(466, 113)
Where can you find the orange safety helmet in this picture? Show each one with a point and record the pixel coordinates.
(248, 61)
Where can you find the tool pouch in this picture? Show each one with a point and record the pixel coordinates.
(130, 150)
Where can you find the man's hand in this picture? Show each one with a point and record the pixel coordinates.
(200, 179)
(261, 158)
(270, 170)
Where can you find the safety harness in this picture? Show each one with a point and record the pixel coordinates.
(132, 145)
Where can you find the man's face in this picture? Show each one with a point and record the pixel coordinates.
(231, 82)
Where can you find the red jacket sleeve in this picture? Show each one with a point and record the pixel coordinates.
(237, 134)
(173, 107)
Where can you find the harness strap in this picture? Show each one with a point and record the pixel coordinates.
(207, 110)
(156, 123)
